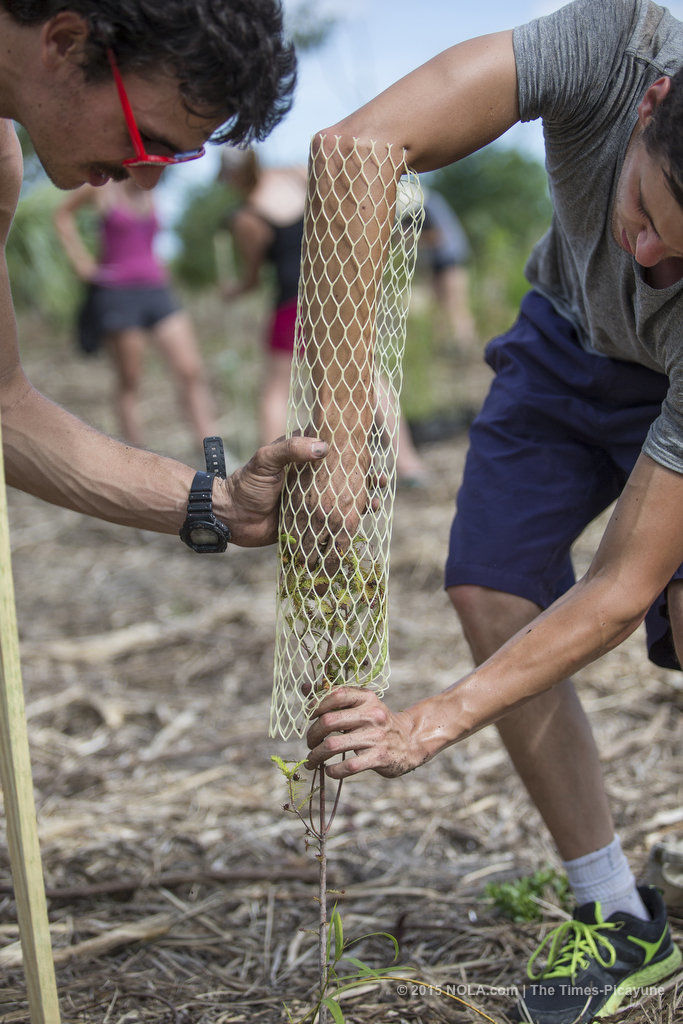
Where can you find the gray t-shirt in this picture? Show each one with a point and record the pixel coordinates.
(584, 70)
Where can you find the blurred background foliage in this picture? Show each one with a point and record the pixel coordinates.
(501, 198)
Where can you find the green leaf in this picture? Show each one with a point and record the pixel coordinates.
(288, 768)
(378, 935)
(334, 1009)
(363, 968)
(338, 934)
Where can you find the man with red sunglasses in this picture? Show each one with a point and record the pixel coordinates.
(122, 89)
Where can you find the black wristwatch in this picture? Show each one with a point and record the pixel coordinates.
(202, 530)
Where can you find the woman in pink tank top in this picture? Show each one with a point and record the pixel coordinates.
(129, 300)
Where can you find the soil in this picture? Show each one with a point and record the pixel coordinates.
(179, 889)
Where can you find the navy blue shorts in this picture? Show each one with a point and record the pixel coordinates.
(552, 447)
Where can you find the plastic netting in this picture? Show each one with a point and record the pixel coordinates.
(360, 242)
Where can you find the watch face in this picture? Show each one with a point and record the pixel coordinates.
(203, 535)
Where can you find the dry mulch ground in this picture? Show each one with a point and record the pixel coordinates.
(179, 890)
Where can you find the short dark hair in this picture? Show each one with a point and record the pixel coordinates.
(230, 56)
(663, 136)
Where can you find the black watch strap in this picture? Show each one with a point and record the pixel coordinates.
(202, 530)
(215, 456)
(200, 498)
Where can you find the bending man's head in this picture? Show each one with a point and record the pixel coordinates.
(230, 57)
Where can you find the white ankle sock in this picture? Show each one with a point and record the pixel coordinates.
(605, 875)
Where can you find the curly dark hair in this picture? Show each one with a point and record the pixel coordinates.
(663, 136)
(230, 56)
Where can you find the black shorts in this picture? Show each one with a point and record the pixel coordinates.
(117, 309)
(107, 310)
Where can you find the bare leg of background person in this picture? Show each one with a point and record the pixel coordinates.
(127, 351)
(548, 739)
(451, 287)
(175, 338)
(409, 466)
(274, 395)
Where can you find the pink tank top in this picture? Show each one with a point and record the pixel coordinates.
(127, 250)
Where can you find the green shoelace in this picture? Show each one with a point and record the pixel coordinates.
(571, 945)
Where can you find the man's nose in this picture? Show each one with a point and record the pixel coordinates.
(145, 177)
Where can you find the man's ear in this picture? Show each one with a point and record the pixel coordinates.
(63, 38)
(652, 98)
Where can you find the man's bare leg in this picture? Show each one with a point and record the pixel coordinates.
(549, 739)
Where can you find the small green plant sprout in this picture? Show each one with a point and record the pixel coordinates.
(297, 788)
(333, 948)
(337, 954)
(522, 899)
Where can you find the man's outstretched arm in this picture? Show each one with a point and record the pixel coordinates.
(456, 103)
(53, 455)
(639, 552)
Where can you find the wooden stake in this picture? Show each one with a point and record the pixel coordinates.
(17, 789)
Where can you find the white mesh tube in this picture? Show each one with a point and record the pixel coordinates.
(360, 241)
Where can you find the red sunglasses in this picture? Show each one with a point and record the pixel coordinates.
(142, 158)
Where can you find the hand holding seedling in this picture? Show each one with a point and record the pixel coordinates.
(356, 722)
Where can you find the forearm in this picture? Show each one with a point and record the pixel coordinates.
(587, 622)
(638, 554)
(55, 456)
(451, 106)
(351, 197)
(50, 453)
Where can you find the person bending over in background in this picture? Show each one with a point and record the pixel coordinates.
(116, 90)
(586, 406)
(129, 299)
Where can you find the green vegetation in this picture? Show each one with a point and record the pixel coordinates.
(42, 280)
(334, 956)
(206, 215)
(339, 618)
(519, 899)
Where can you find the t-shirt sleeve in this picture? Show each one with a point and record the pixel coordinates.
(566, 61)
(663, 441)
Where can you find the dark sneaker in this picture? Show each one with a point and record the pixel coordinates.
(592, 964)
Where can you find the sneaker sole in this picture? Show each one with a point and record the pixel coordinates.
(642, 979)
